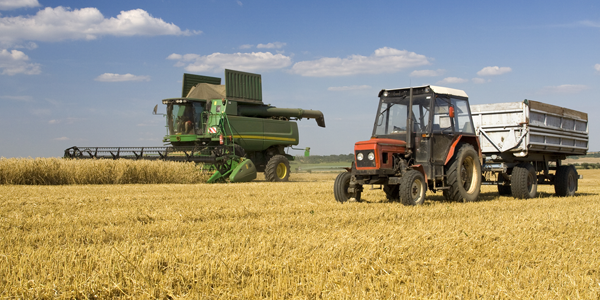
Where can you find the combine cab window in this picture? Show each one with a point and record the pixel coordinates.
(181, 119)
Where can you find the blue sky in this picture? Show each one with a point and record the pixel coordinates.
(88, 73)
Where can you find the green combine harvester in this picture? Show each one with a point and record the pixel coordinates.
(227, 127)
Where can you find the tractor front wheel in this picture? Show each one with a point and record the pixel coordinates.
(464, 175)
(278, 169)
(340, 188)
(412, 188)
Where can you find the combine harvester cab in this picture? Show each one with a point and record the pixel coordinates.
(226, 127)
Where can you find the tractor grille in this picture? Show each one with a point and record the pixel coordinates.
(365, 162)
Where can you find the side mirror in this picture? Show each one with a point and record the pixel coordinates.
(451, 112)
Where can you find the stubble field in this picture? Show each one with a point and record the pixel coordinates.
(292, 240)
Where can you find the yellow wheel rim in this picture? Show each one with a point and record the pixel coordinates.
(281, 171)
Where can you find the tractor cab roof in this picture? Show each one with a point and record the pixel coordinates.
(424, 89)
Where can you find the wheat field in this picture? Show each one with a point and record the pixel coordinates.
(293, 241)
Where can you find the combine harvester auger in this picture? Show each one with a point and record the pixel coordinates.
(225, 127)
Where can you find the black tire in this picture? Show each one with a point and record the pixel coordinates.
(446, 195)
(566, 181)
(340, 187)
(392, 192)
(412, 188)
(504, 190)
(523, 181)
(277, 169)
(464, 175)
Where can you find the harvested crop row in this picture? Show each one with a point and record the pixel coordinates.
(57, 171)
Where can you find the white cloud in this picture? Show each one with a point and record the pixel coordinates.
(597, 67)
(564, 89)
(492, 71)
(240, 3)
(246, 46)
(452, 80)
(348, 88)
(480, 80)
(57, 24)
(14, 4)
(17, 98)
(383, 60)
(588, 23)
(238, 61)
(427, 73)
(112, 77)
(64, 121)
(16, 62)
(276, 45)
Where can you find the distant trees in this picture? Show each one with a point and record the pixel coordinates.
(317, 159)
(587, 165)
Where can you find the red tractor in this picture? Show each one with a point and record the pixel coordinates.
(423, 138)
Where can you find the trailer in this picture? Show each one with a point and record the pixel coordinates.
(523, 144)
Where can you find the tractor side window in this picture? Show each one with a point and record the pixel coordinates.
(420, 116)
(462, 117)
(441, 115)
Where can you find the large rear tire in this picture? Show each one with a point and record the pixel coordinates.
(523, 181)
(278, 169)
(340, 188)
(412, 188)
(566, 181)
(464, 175)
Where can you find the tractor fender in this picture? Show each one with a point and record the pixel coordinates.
(420, 169)
(473, 140)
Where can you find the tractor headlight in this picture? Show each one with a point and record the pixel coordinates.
(371, 156)
(360, 156)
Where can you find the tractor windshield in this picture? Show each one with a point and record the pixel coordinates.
(393, 114)
(185, 118)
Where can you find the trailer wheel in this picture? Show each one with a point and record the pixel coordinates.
(277, 169)
(464, 175)
(566, 181)
(392, 192)
(504, 190)
(523, 181)
(412, 188)
(340, 188)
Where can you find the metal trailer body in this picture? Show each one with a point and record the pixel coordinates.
(531, 138)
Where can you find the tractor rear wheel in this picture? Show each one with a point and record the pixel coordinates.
(565, 181)
(277, 169)
(340, 188)
(523, 181)
(412, 188)
(464, 175)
